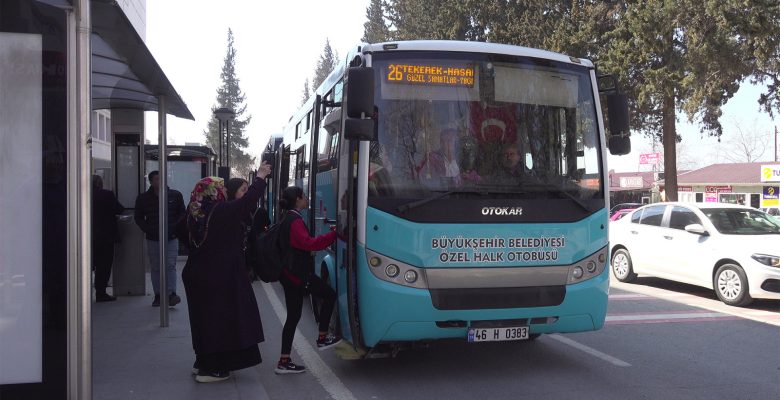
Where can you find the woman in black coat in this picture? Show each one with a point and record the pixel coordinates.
(224, 318)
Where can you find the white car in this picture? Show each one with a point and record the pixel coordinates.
(773, 211)
(732, 249)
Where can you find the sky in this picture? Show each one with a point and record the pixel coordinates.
(278, 45)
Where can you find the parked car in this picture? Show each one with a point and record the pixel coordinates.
(732, 249)
(623, 206)
(620, 214)
(773, 211)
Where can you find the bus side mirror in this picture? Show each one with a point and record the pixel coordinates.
(619, 140)
(360, 92)
(359, 129)
(360, 123)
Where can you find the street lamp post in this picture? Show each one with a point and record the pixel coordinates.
(224, 115)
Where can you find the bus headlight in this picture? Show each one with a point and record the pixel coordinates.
(591, 266)
(392, 270)
(395, 271)
(588, 267)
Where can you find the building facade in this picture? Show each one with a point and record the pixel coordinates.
(751, 184)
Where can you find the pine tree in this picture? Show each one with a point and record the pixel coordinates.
(445, 19)
(375, 29)
(306, 92)
(229, 95)
(688, 56)
(324, 66)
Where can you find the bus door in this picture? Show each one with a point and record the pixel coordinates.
(281, 172)
(323, 205)
(323, 201)
(346, 225)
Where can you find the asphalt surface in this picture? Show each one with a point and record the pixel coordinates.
(662, 340)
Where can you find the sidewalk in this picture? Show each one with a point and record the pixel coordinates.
(134, 358)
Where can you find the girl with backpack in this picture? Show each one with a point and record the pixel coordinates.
(299, 279)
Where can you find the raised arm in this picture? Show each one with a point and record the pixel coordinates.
(244, 206)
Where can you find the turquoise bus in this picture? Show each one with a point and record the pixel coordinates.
(468, 188)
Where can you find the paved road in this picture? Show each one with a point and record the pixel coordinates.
(662, 341)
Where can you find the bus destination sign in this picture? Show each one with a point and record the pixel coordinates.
(447, 75)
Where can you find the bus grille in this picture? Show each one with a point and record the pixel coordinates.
(490, 298)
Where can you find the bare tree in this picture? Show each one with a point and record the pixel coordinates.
(744, 143)
(687, 161)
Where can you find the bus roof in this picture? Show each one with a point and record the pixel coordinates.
(474, 47)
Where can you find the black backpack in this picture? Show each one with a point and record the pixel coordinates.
(267, 261)
(269, 253)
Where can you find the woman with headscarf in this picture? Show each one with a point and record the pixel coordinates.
(224, 318)
(257, 222)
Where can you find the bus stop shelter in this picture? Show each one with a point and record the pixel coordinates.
(61, 59)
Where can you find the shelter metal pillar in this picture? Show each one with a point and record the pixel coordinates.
(79, 274)
(163, 210)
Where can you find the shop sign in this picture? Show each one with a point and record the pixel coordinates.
(717, 189)
(631, 182)
(769, 196)
(770, 173)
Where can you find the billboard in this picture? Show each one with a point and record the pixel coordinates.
(21, 165)
(650, 158)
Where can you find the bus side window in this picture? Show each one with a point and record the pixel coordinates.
(334, 148)
(293, 172)
(323, 164)
(300, 164)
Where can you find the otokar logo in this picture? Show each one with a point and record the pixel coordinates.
(502, 210)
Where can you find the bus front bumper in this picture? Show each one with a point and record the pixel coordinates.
(403, 314)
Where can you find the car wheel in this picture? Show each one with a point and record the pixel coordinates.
(731, 285)
(622, 267)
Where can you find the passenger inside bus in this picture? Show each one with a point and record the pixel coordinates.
(441, 166)
(512, 169)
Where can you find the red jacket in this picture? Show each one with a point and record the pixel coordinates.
(301, 247)
(300, 239)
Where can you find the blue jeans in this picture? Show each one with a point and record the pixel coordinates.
(172, 251)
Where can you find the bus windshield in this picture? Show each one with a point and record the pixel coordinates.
(477, 126)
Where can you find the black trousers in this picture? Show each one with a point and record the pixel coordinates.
(102, 260)
(294, 295)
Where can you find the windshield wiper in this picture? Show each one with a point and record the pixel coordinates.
(417, 203)
(559, 190)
